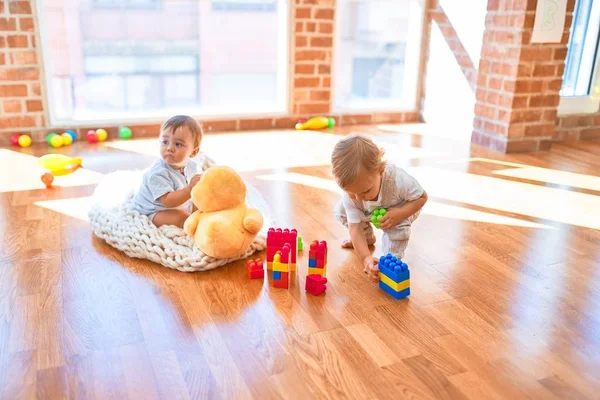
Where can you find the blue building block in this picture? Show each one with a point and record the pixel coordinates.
(397, 295)
(393, 268)
(276, 275)
(312, 263)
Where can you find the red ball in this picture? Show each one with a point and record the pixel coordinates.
(92, 137)
(14, 139)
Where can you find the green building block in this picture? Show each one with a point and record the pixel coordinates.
(378, 213)
(299, 245)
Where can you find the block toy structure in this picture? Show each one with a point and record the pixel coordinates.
(378, 213)
(315, 284)
(276, 238)
(281, 267)
(255, 269)
(394, 277)
(317, 258)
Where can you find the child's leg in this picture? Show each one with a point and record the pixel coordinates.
(395, 241)
(175, 217)
(340, 214)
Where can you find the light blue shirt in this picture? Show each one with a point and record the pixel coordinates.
(158, 180)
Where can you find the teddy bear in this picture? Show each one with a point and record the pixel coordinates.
(223, 226)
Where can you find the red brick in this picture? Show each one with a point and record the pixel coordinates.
(589, 134)
(550, 116)
(317, 41)
(324, 14)
(515, 131)
(219, 126)
(522, 146)
(303, 13)
(525, 70)
(19, 7)
(301, 95)
(544, 100)
(13, 90)
(528, 86)
(324, 69)
(12, 106)
(285, 123)
(576, 121)
(320, 95)
(553, 85)
(539, 130)
(1, 6)
(495, 83)
(34, 105)
(314, 108)
(2, 59)
(529, 20)
(27, 121)
(356, 119)
(306, 82)
(260, 123)
(541, 70)
(378, 118)
(301, 41)
(597, 120)
(560, 54)
(526, 116)
(8, 24)
(520, 101)
(24, 58)
(305, 69)
(2, 42)
(35, 90)
(325, 27)
(299, 27)
(310, 55)
(509, 85)
(326, 82)
(17, 41)
(19, 74)
(536, 53)
(26, 24)
(311, 27)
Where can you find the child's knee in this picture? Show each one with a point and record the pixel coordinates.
(339, 212)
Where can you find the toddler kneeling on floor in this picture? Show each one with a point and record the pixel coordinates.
(369, 182)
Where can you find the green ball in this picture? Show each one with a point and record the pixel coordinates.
(50, 136)
(374, 219)
(382, 211)
(379, 218)
(125, 133)
(330, 122)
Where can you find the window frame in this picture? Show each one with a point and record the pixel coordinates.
(284, 92)
(590, 103)
(413, 77)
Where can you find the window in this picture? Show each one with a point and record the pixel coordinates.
(133, 62)
(377, 54)
(580, 90)
(244, 5)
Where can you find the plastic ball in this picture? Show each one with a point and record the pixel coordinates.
(14, 139)
(24, 141)
(49, 137)
(73, 134)
(330, 122)
(48, 178)
(92, 137)
(125, 133)
(379, 218)
(374, 219)
(56, 141)
(67, 139)
(102, 135)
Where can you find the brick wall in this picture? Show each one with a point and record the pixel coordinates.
(312, 26)
(21, 100)
(578, 127)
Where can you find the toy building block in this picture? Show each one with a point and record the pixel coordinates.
(276, 239)
(317, 258)
(281, 267)
(394, 277)
(315, 284)
(378, 213)
(300, 245)
(255, 269)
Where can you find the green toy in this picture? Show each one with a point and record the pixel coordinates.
(299, 245)
(125, 133)
(378, 213)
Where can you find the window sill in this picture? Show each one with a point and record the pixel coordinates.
(578, 105)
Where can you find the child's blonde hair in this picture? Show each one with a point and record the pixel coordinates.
(354, 154)
(178, 121)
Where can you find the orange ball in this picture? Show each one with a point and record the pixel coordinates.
(48, 178)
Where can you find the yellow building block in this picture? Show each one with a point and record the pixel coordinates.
(320, 271)
(397, 286)
(278, 266)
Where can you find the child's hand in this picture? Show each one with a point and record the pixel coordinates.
(193, 181)
(392, 217)
(370, 267)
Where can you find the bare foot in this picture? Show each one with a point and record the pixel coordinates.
(347, 243)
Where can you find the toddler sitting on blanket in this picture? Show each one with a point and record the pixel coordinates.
(165, 193)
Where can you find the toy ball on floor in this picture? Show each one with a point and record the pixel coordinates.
(125, 133)
(102, 134)
(92, 136)
(55, 140)
(66, 138)
(24, 141)
(14, 139)
(316, 123)
(48, 178)
(72, 133)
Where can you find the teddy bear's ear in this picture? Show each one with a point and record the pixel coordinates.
(220, 188)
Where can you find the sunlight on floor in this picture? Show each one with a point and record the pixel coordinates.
(271, 150)
(532, 200)
(432, 208)
(564, 178)
(29, 177)
(76, 207)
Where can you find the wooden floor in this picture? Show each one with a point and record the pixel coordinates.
(504, 265)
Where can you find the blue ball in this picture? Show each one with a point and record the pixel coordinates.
(72, 133)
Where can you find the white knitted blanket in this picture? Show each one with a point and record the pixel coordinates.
(113, 219)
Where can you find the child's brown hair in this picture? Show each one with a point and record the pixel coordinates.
(354, 154)
(178, 121)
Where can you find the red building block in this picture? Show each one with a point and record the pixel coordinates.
(276, 238)
(315, 284)
(282, 282)
(255, 269)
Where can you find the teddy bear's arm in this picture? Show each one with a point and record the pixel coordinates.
(191, 223)
(253, 220)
